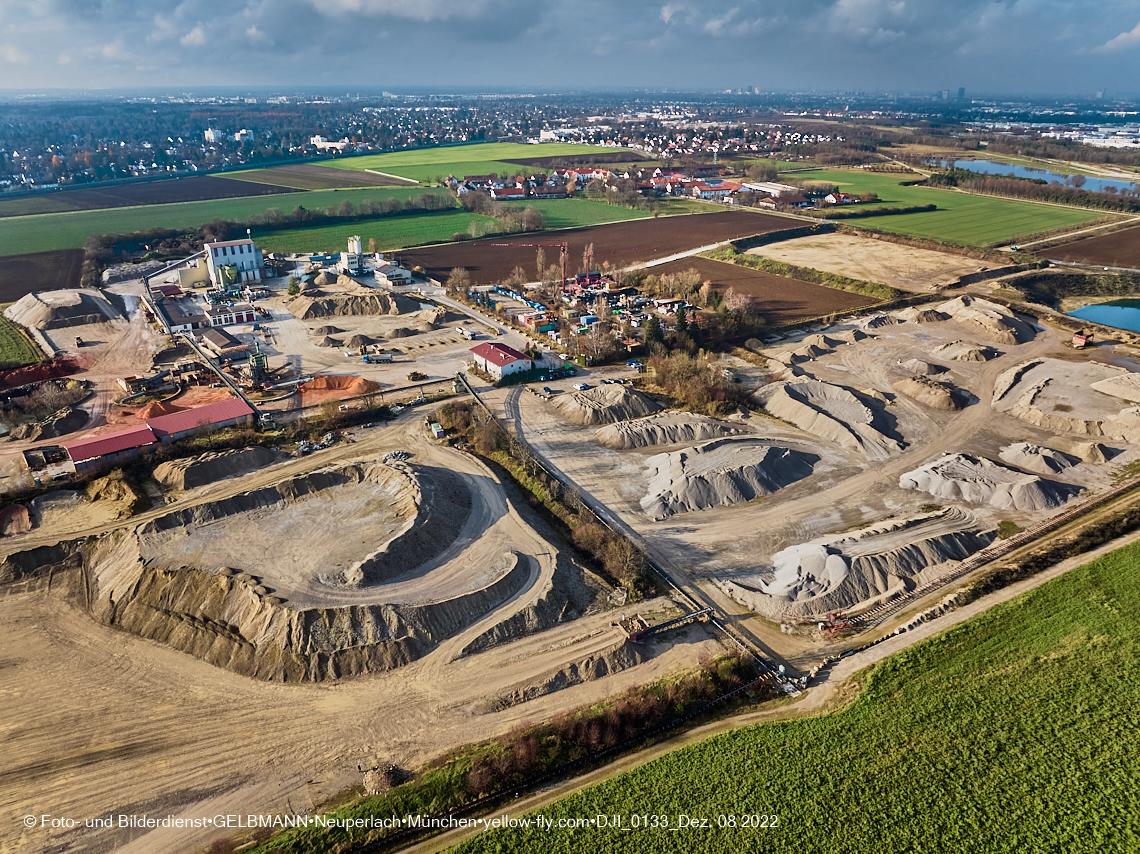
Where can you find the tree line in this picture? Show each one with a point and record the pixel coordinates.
(1112, 199)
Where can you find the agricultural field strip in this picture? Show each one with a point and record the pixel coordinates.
(961, 217)
(70, 229)
(441, 158)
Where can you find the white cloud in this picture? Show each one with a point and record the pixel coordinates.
(413, 10)
(64, 58)
(669, 11)
(258, 37)
(1124, 41)
(14, 55)
(195, 38)
(115, 50)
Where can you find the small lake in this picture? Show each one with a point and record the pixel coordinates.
(1119, 314)
(990, 167)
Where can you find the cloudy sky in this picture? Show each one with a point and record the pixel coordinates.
(988, 46)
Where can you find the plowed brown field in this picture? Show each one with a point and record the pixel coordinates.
(621, 244)
(780, 300)
(1119, 249)
(39, 271)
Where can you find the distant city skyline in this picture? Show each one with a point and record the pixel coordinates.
(1031, 47)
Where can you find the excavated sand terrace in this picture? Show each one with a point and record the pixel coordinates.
(839, 401)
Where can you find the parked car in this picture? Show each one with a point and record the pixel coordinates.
(581, 386)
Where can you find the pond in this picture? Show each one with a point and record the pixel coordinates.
(990, 167)
(1119, 314)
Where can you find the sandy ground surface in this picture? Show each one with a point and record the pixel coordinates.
(905, 267)
(100, 722)
(846, 491)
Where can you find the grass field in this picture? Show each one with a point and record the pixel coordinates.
(312, 176)
(48, 232)
(1014, 732)
(482, 159)
(15, 350)
(437, 227)
(960, 218)
(390, 232)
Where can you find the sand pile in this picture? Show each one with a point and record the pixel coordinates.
(805, 353)
(322, 279)
(821, 342)
(1035, 458)
(1125, 386)
(329, 342)
(965, 351)
(437, 316)
(918, 366)
(347, 386)
(664, 428)
(719, 474)
(360, 302)
(65, 421)
(942, 396)
(833, 413)
(401, 332)
(922, 315)
(114, 488)
(1091, 452)
(346, 281)
(358, 341)
(60, 309)
(326, 330)
(832, 572)
(1062, 397)
(880, 320)
(157, 408)
(989, 319)
(606, 404)
(981, 481)
(209, 468)
(851, 336)
(14, 519)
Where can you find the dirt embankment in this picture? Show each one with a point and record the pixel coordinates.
(229, 619)
(312, 305)
(210, 468)
(666, 428)
(621, 656)
(566, 596)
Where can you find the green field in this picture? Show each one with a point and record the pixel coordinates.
(1016, 732)
(437, 227)
(390, 232)
(45, 232)
(482, 159)
(15, 350)
(960, 218)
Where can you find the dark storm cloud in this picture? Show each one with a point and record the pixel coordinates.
(1021, 45)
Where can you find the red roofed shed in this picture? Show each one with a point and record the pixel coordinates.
(109, 448)
(215, 416)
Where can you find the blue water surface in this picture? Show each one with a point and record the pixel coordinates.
(990, 167)
(1119, 314)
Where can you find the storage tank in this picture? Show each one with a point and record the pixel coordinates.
(354, 244)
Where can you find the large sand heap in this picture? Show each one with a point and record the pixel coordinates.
(209, 468)
(60, 309)
(835, 572)
(664, 428)
(879, 321)
(833, 413)
(805, 353)
(850, 336)
(350, 385)
(965, 351)
(981, 481)
(922, 315)
(1125, 386)
(157, 408)
(14, 519)
(720, 473)
(67, 420)
(989, 319)
(942, 396)
(1035, 458)
(1062, 397)
(326, 330)
(357, 302)
(605, 404)
(1091, 452)
(918, 366)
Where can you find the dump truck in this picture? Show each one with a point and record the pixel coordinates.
(377, 358)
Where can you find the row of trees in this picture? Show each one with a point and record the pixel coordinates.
(1124, 200)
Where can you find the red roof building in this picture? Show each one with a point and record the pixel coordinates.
(109, 448)
(214, 416)
(499, 360)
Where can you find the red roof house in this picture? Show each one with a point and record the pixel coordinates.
(109, 448)
(499, 360)
(214, 416)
